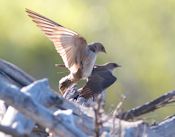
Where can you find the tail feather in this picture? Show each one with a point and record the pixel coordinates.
(60, 65)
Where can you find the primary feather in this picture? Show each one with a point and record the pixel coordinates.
(69, 44)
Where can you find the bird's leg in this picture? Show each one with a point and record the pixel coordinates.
(64, 83)
(67, 81)
(64, 86)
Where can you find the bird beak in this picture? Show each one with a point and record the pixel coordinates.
(119, 66)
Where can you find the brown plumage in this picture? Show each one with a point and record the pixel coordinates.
(78, 56)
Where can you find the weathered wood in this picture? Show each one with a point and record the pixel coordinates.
(26, 105)
(14, 75)
(9, 131)
(3, 109)
(41, 93)
(64, 123)
(165, 128)
(70, 118)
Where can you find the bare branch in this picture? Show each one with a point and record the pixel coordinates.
(98, 111)
(149, 106)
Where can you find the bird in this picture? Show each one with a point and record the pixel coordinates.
(78, 56)
(101, 78)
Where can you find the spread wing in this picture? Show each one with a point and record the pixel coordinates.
(97, 83)
(68, 43)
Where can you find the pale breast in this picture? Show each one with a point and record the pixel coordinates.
(88, 64)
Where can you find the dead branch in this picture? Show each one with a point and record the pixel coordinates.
(159, 102)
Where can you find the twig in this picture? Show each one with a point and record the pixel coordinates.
(116, 112)
(98, 110)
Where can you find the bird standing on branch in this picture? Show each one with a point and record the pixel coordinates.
(78, 56)
(100, 79)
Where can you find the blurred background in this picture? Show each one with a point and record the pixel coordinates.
(139, 35)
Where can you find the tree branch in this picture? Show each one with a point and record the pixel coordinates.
(149, 106)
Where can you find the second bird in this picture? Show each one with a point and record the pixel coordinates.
(101, 78)
(78, 56)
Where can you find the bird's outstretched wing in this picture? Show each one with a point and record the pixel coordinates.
(97, 83)
(69, 44)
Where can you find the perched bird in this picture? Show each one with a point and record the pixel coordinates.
(100, 79)
(78, 56)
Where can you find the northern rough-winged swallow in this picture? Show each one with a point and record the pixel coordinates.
(100, 79)
(78, 56)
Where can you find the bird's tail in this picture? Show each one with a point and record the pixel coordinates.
(60, 65)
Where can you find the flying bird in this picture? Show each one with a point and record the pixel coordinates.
(78, 56)
(100, 79)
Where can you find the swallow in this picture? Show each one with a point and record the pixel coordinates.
(78, 56)
(101, 78)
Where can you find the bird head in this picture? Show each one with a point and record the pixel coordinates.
(98, 47)
(112, 66)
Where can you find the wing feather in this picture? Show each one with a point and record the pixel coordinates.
(97, 82)
(67, 42)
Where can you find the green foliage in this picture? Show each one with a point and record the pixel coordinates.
(138, 34)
